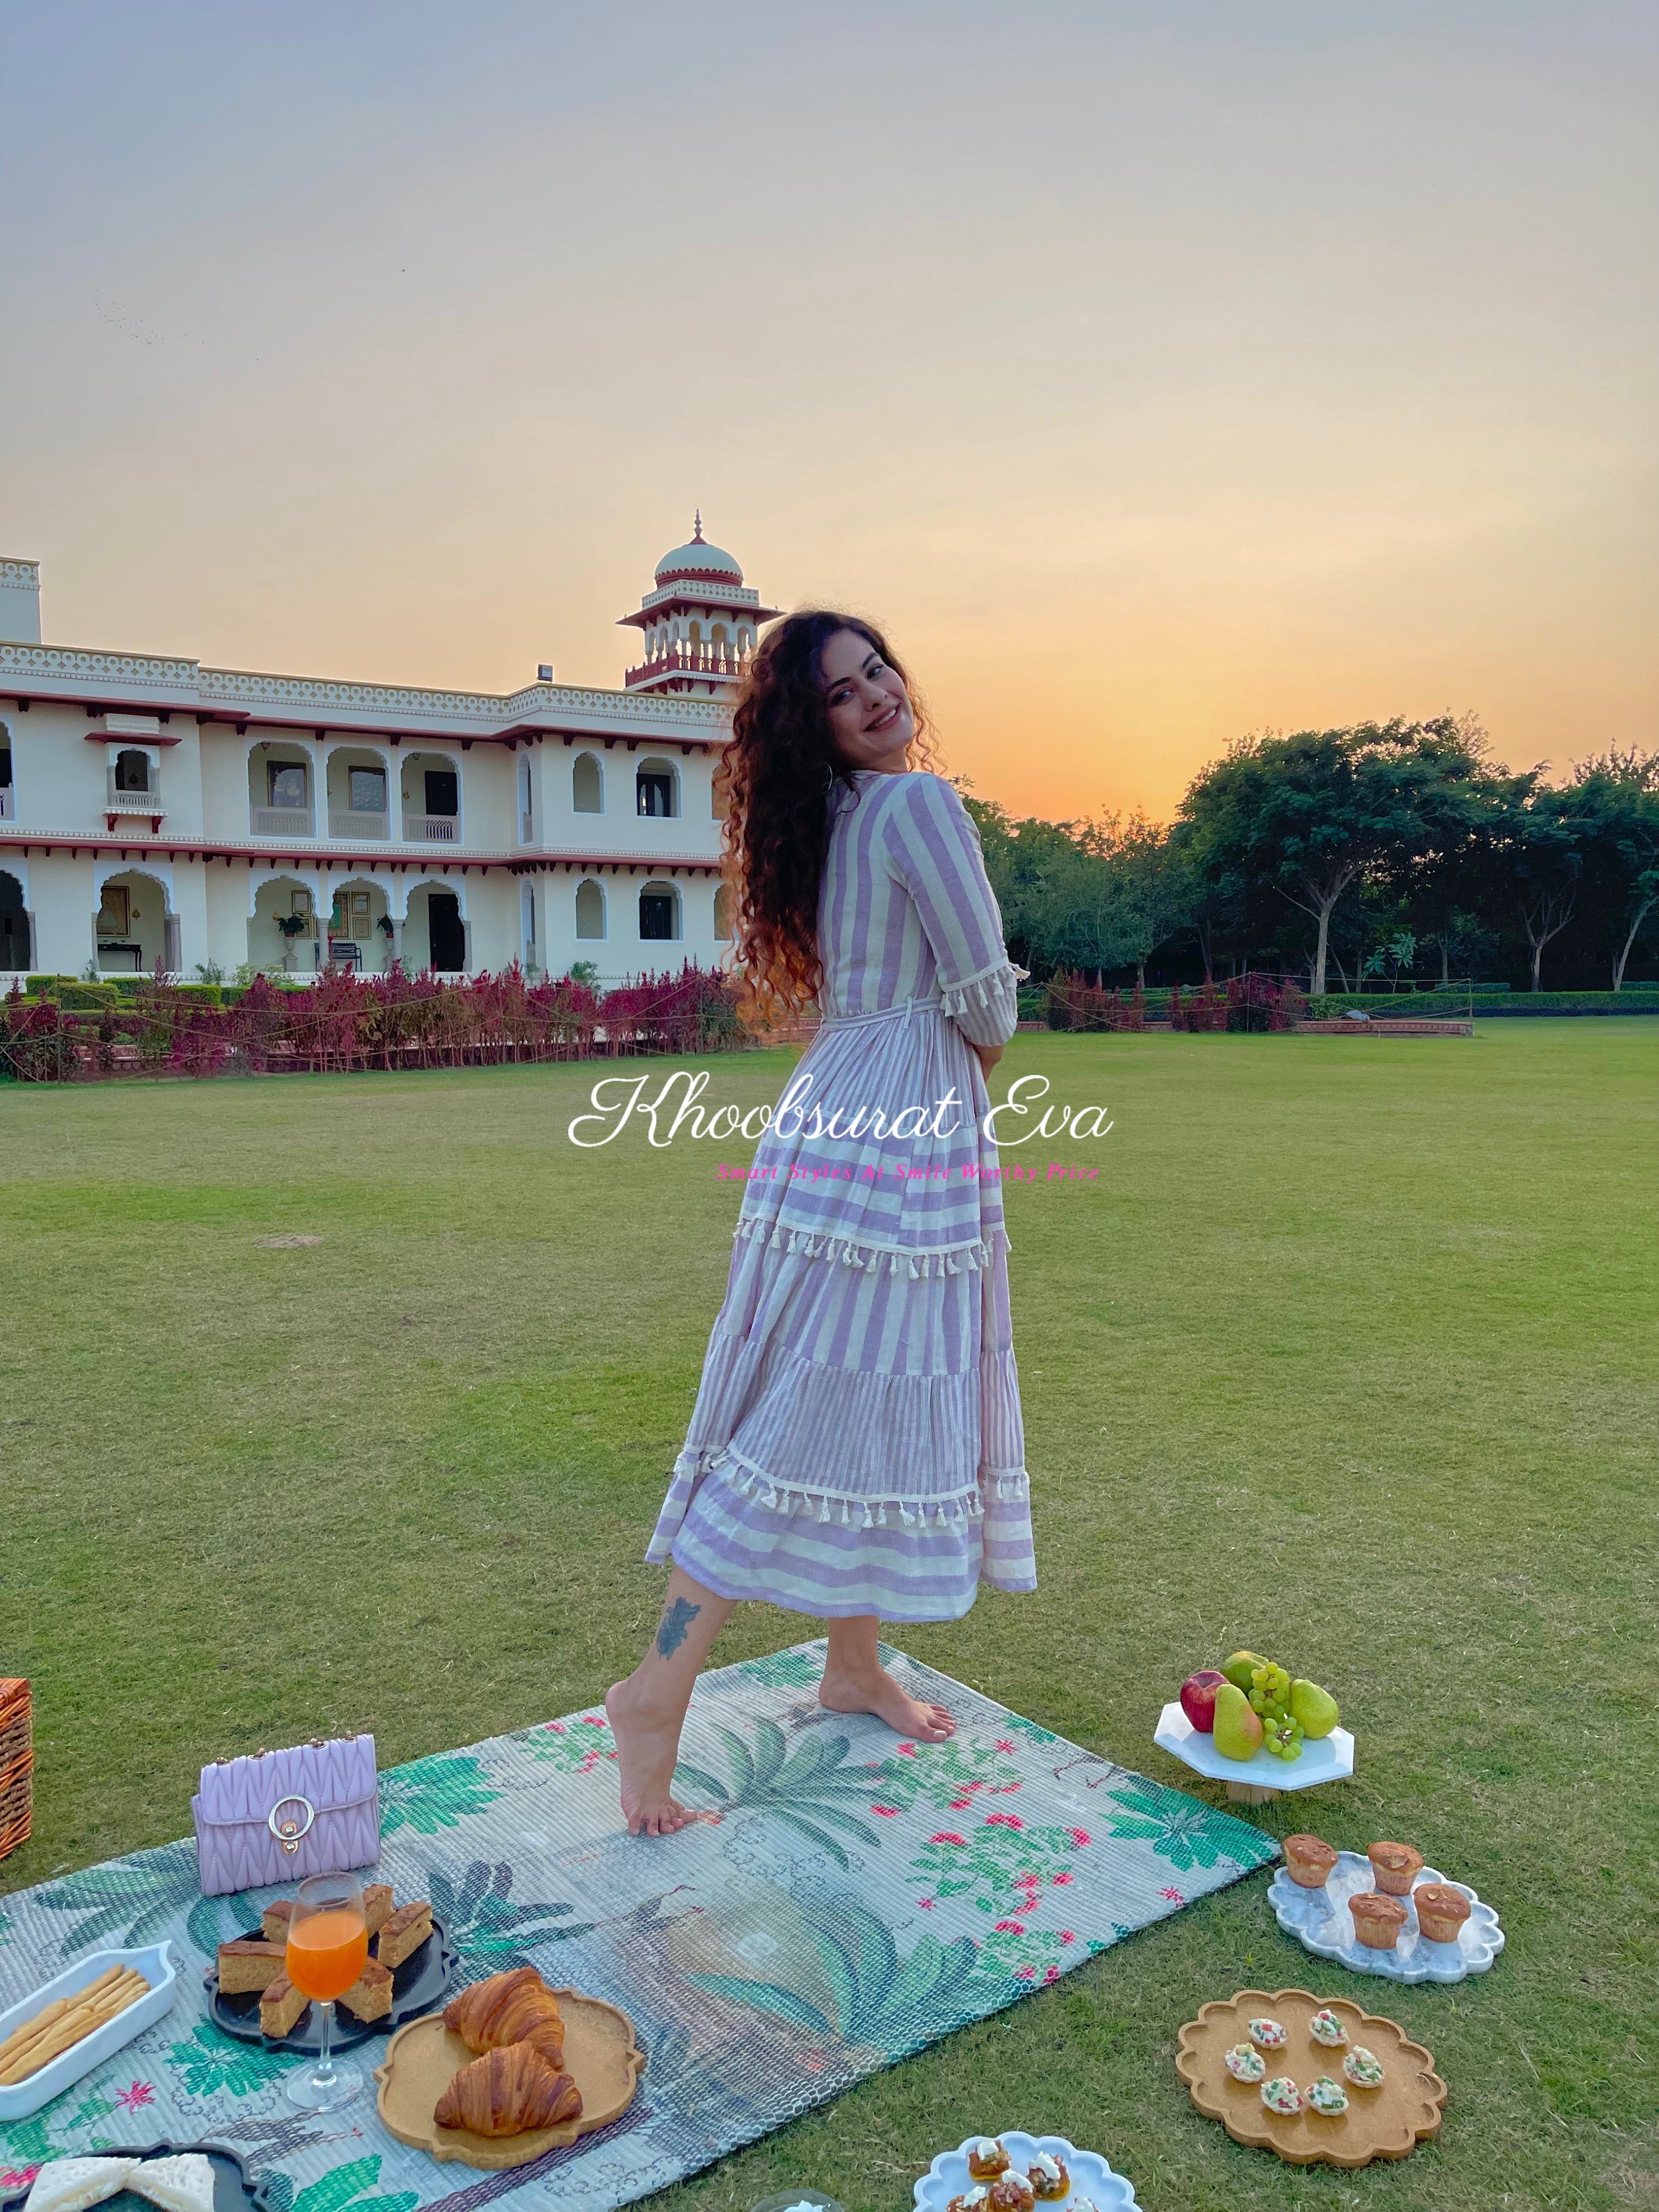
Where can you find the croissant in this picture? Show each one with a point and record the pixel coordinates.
(515, 2008)
(508, 2093)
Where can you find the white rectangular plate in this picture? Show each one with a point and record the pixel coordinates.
(155, 1964)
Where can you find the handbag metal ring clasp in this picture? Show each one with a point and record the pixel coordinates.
(283, 1824)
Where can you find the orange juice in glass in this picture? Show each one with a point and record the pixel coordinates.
(327, 1951)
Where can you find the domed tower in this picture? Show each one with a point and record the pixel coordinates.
(699, 623)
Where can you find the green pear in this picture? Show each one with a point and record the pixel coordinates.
(1238, 1730)
(1239, 1668)
(1314, 1708)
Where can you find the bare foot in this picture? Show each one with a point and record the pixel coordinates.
(879, 1694)
(646, 1748)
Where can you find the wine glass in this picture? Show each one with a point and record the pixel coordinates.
(327, 1951)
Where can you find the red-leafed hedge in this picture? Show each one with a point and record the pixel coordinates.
(344, 1023)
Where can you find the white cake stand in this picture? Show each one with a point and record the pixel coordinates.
(1255, 1781)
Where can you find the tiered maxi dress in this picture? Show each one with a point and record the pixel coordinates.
(856, 1446)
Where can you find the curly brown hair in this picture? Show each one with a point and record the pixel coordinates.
(778, 773)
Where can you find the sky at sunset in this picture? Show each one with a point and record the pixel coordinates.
(1156, 374)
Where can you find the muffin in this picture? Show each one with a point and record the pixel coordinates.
(1049, 2180)
(1267, 2035)
(1378, 1920)
(1012, 2193)
(1282, 2097)
(1441, 1910)
(1307, 1861)
(1395, 1868)
(986, 2158)
(1325, 2027)
(1326, 2096)
(1244, 2064)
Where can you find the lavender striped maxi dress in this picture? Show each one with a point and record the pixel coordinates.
(856, 1446)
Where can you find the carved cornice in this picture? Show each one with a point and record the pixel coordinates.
(62, 664)
(243, 695)
(19, 575)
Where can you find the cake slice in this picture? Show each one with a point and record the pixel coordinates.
(377, 1907)
(276, 1919)
(248, 1964)
(280, 2006)
(182, 2183)
(370, 1995)
(402, 1933)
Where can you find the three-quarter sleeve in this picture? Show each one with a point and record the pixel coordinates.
(934, 850)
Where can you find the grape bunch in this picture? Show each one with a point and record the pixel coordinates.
(1282, 1733)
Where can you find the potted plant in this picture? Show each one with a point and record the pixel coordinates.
(291, 925)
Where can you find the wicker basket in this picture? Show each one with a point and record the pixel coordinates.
(16, 1765)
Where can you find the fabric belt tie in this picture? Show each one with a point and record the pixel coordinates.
(905, 1008)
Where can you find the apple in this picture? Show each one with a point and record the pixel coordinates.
(1198, 1698)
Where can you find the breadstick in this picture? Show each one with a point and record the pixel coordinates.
(30, 2028)
(75, 2026)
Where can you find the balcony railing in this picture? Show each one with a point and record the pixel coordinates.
(705, 663)
(431, 829)
(355, 823)
(281, 822)
(117, 801)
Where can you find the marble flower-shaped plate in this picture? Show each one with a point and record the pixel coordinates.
(1092, 2180)
(1321, 1920)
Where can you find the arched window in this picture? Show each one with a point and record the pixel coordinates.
(131, 770)
(590, 910)
(723, 913)
(696, 635)
(657, 788)
(587, 786)
(660, 913)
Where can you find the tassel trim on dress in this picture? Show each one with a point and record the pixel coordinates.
(956, 1260)
(975, 990)
(855, 1509)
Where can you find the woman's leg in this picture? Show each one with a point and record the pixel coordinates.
(855, 1682)
(647, 1711)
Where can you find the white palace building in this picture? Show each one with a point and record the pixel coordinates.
(154, 810)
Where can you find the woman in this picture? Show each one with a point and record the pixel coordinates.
(856, 1450)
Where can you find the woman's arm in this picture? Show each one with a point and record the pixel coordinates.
(934, 851)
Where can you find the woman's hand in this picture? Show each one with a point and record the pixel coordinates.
(989, 1054)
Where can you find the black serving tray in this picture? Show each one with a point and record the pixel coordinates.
(232, 2190)
(421, 1982)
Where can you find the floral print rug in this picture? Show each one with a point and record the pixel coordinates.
(858, 1898)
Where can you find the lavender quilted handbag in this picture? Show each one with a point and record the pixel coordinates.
(281, 1815)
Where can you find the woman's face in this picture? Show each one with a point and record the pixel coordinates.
(870, 723)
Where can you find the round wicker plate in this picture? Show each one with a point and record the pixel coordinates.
(1388, 2121)
(600, 2055)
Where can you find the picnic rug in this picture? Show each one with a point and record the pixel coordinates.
(858, 1898)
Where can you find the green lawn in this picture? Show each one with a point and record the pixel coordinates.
(1348, 1355)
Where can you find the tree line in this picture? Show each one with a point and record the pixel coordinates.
(1351, 856)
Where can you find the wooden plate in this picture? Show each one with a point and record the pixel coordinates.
(600, 2056)
(1386, 2123)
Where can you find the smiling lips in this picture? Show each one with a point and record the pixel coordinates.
(884, 722)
